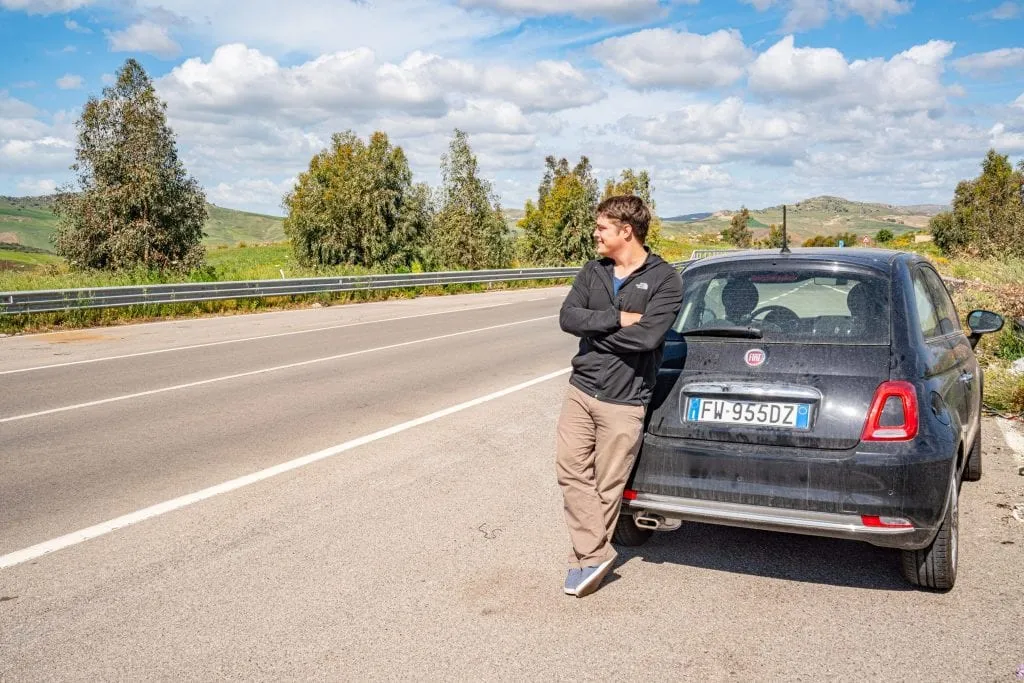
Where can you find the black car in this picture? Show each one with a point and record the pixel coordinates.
(829, 392)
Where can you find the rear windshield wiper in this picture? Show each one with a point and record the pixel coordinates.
(724, 331)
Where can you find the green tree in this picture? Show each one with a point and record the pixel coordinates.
(132, 203)
(884, 236)
(988, 212)
(357, 204)
(639, 185)
(775, 240)
(469, 230)
(559, 227)
(738, 232)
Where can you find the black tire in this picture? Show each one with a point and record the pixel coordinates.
(935, 566)
(972, 470)
(628, 534)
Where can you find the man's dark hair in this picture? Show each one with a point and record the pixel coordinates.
(629, 209)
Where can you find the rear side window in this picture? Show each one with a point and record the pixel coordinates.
(948, 321)
(927, 315)
(812, 305)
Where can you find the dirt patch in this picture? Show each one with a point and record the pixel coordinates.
(71, 337)
(9, 237)
(14, 265)
(909, 221)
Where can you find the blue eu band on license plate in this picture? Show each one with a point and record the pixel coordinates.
(755, 413)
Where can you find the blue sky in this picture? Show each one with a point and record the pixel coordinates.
(727, 103)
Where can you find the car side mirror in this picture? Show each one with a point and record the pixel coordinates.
(983, 322)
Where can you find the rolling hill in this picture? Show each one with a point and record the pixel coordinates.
(29, 221)
(825, 215)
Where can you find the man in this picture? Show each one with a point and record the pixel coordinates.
(621, 306)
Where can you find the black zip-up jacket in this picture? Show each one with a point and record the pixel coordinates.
(620, 364)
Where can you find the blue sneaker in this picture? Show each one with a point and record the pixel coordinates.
(591, 578)
(572, 580)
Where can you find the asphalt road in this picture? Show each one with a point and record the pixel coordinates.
(431, 548)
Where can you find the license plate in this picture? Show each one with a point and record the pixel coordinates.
(758, 413)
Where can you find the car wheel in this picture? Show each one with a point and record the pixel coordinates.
(627, 533)
(935, 566)
(972, 470)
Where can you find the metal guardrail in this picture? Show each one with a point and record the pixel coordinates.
(44, 301)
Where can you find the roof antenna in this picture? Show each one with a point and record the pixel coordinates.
(785, 238)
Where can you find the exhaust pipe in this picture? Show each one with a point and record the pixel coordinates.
(647, 520)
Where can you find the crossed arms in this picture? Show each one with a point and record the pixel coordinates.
(615, 331)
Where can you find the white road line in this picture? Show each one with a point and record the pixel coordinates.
(792, 291)
(247, 339)
(250, 373)
(76, 537)
(1013, 439)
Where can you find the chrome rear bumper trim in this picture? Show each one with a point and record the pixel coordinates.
(756, 516)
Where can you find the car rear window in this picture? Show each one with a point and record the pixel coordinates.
(813, 304)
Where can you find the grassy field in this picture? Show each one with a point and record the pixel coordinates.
(11, 259)
(251, 262)
(27, 225)
(228, 227)
(30, 221)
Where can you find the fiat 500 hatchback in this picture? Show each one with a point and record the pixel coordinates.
(830, 392)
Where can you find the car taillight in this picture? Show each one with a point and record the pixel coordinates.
(885, 522)
(893, 415)
(629, 494)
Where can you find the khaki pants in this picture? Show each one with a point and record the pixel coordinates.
(597, 443)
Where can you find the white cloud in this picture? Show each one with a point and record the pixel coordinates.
(1004, 12)
(545, 86)
(1007, 141)
(31, 142)
(14, 108)
(243, 109)
(696, 179)
(37, 186)
(69, 82)
(798, 71)
(803, 15)
(1019, 102)
(391, 28)
(108, 79)
(238, 79)
(43, 6)
(873, 11)
(665, 57)
(46, 153)
(262, 192)
(988, 63)
(72, 25)
(714, 133)
(619, 10)
(144, 36)
(475, 116)
(909, 81)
